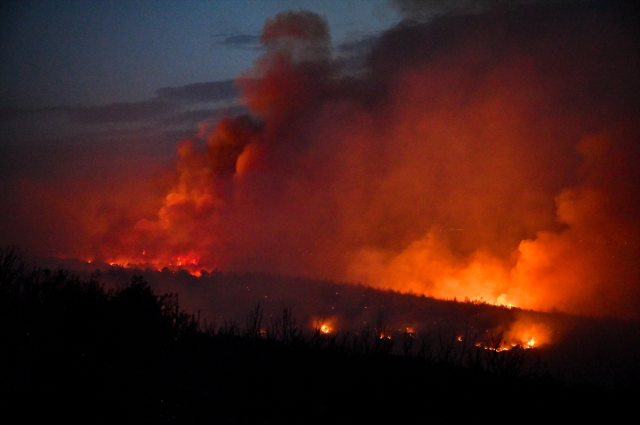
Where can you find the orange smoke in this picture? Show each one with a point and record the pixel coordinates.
(491, 156)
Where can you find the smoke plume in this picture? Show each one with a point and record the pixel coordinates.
(490, 155)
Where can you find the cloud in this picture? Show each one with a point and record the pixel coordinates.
(238, 40)
(123, 112)
(118, 112)
(167, 102)
(214, 91)
(180, 109)
(197, 116)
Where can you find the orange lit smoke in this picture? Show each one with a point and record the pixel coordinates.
(491, 156)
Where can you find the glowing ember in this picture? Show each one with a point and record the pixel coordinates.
(325, 329)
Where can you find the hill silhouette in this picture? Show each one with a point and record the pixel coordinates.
(84, 350)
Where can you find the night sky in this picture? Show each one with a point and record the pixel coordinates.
(81, 53)
(457, 149)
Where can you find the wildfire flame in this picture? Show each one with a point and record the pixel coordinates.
(525, 343)
(323, 325)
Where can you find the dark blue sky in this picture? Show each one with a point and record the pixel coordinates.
(55, 53)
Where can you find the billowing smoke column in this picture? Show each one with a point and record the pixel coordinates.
(491, 155)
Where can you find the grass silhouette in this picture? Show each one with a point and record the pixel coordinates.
(75, 351)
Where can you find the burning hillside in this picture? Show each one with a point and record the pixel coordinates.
(572, 348)
(144, 357)
(489, 155)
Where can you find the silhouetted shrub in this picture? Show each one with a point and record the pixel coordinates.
(75, 351)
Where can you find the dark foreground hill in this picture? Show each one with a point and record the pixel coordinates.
(73, 350)
(575, 349)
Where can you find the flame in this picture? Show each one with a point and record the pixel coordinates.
(507, 346)
(502, 301)
(530, 333)
(184, 260)
(188, 263)
(531, 343)
(324, 326)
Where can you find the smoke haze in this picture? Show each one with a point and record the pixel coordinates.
(489, 155)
